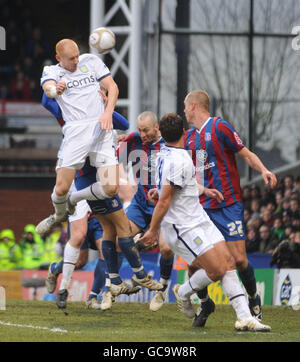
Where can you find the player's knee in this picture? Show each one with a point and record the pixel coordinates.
(166, 252)
(77, 238)
(61, 188)
(217, 273)
(240, 262)
(111, 190)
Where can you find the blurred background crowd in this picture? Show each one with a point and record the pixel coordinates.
(31, 251)
(30, 51)
(272, 220)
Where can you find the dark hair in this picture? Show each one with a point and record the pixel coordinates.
(171, 127)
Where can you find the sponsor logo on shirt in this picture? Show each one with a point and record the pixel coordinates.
(201, 155)
(82, 82)
(205, 167)
(237, 138)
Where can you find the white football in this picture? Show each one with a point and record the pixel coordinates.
(103, 40)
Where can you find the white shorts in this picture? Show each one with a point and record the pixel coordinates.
(82, 140)
(81, 210)
(191, 241)
(82, 207)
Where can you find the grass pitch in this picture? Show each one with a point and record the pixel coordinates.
(41, 321)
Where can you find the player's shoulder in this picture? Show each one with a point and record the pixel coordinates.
(53, 68)
(133, 137)
(88, 58)
(220, 123)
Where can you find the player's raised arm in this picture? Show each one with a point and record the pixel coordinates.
(112, 96)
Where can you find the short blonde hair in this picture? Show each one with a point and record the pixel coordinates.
(199, 97)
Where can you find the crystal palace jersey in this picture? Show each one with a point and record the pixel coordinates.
(213, 149)
(143, 157)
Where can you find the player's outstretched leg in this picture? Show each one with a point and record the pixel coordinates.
(62, 207)
(232, 288)
(140, 278)
(113, 261)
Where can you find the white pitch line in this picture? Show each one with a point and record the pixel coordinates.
(34, 327)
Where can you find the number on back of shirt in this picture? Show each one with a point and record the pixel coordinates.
(235, 227)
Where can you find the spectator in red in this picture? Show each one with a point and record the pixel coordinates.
(20, 87)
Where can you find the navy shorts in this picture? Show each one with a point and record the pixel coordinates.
(94, 233)
(141, 215)
(106, 206)
(230, 221)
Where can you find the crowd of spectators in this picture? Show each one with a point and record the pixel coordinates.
(27, 51)
(273, 217)
(31, 251)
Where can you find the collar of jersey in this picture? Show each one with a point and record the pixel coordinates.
(204, 124)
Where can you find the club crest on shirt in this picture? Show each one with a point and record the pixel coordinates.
(83, 69)
(114, 203)
(197, 240)
(207, 136)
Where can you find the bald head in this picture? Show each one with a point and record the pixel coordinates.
(65, 46)
(67, 54)
(196, 107)
(147, 125)
(200, 98)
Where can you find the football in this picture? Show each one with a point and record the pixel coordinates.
(103, 40)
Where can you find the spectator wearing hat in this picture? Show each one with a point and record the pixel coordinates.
(10, 252)
(32, 247)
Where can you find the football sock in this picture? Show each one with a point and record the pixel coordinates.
(71, 256)
(99, 277)
(232, 288)
(111, 258)
(128, 248)
(197, 281)
(166, 267)
(59, 204)
(107, 284)
(91, 193)
(248, 280)
(120, 258)
(203, 295)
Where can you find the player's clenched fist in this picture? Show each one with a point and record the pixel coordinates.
(60, 87)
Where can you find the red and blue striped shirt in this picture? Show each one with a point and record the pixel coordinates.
(143, 157)
(213, 149)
